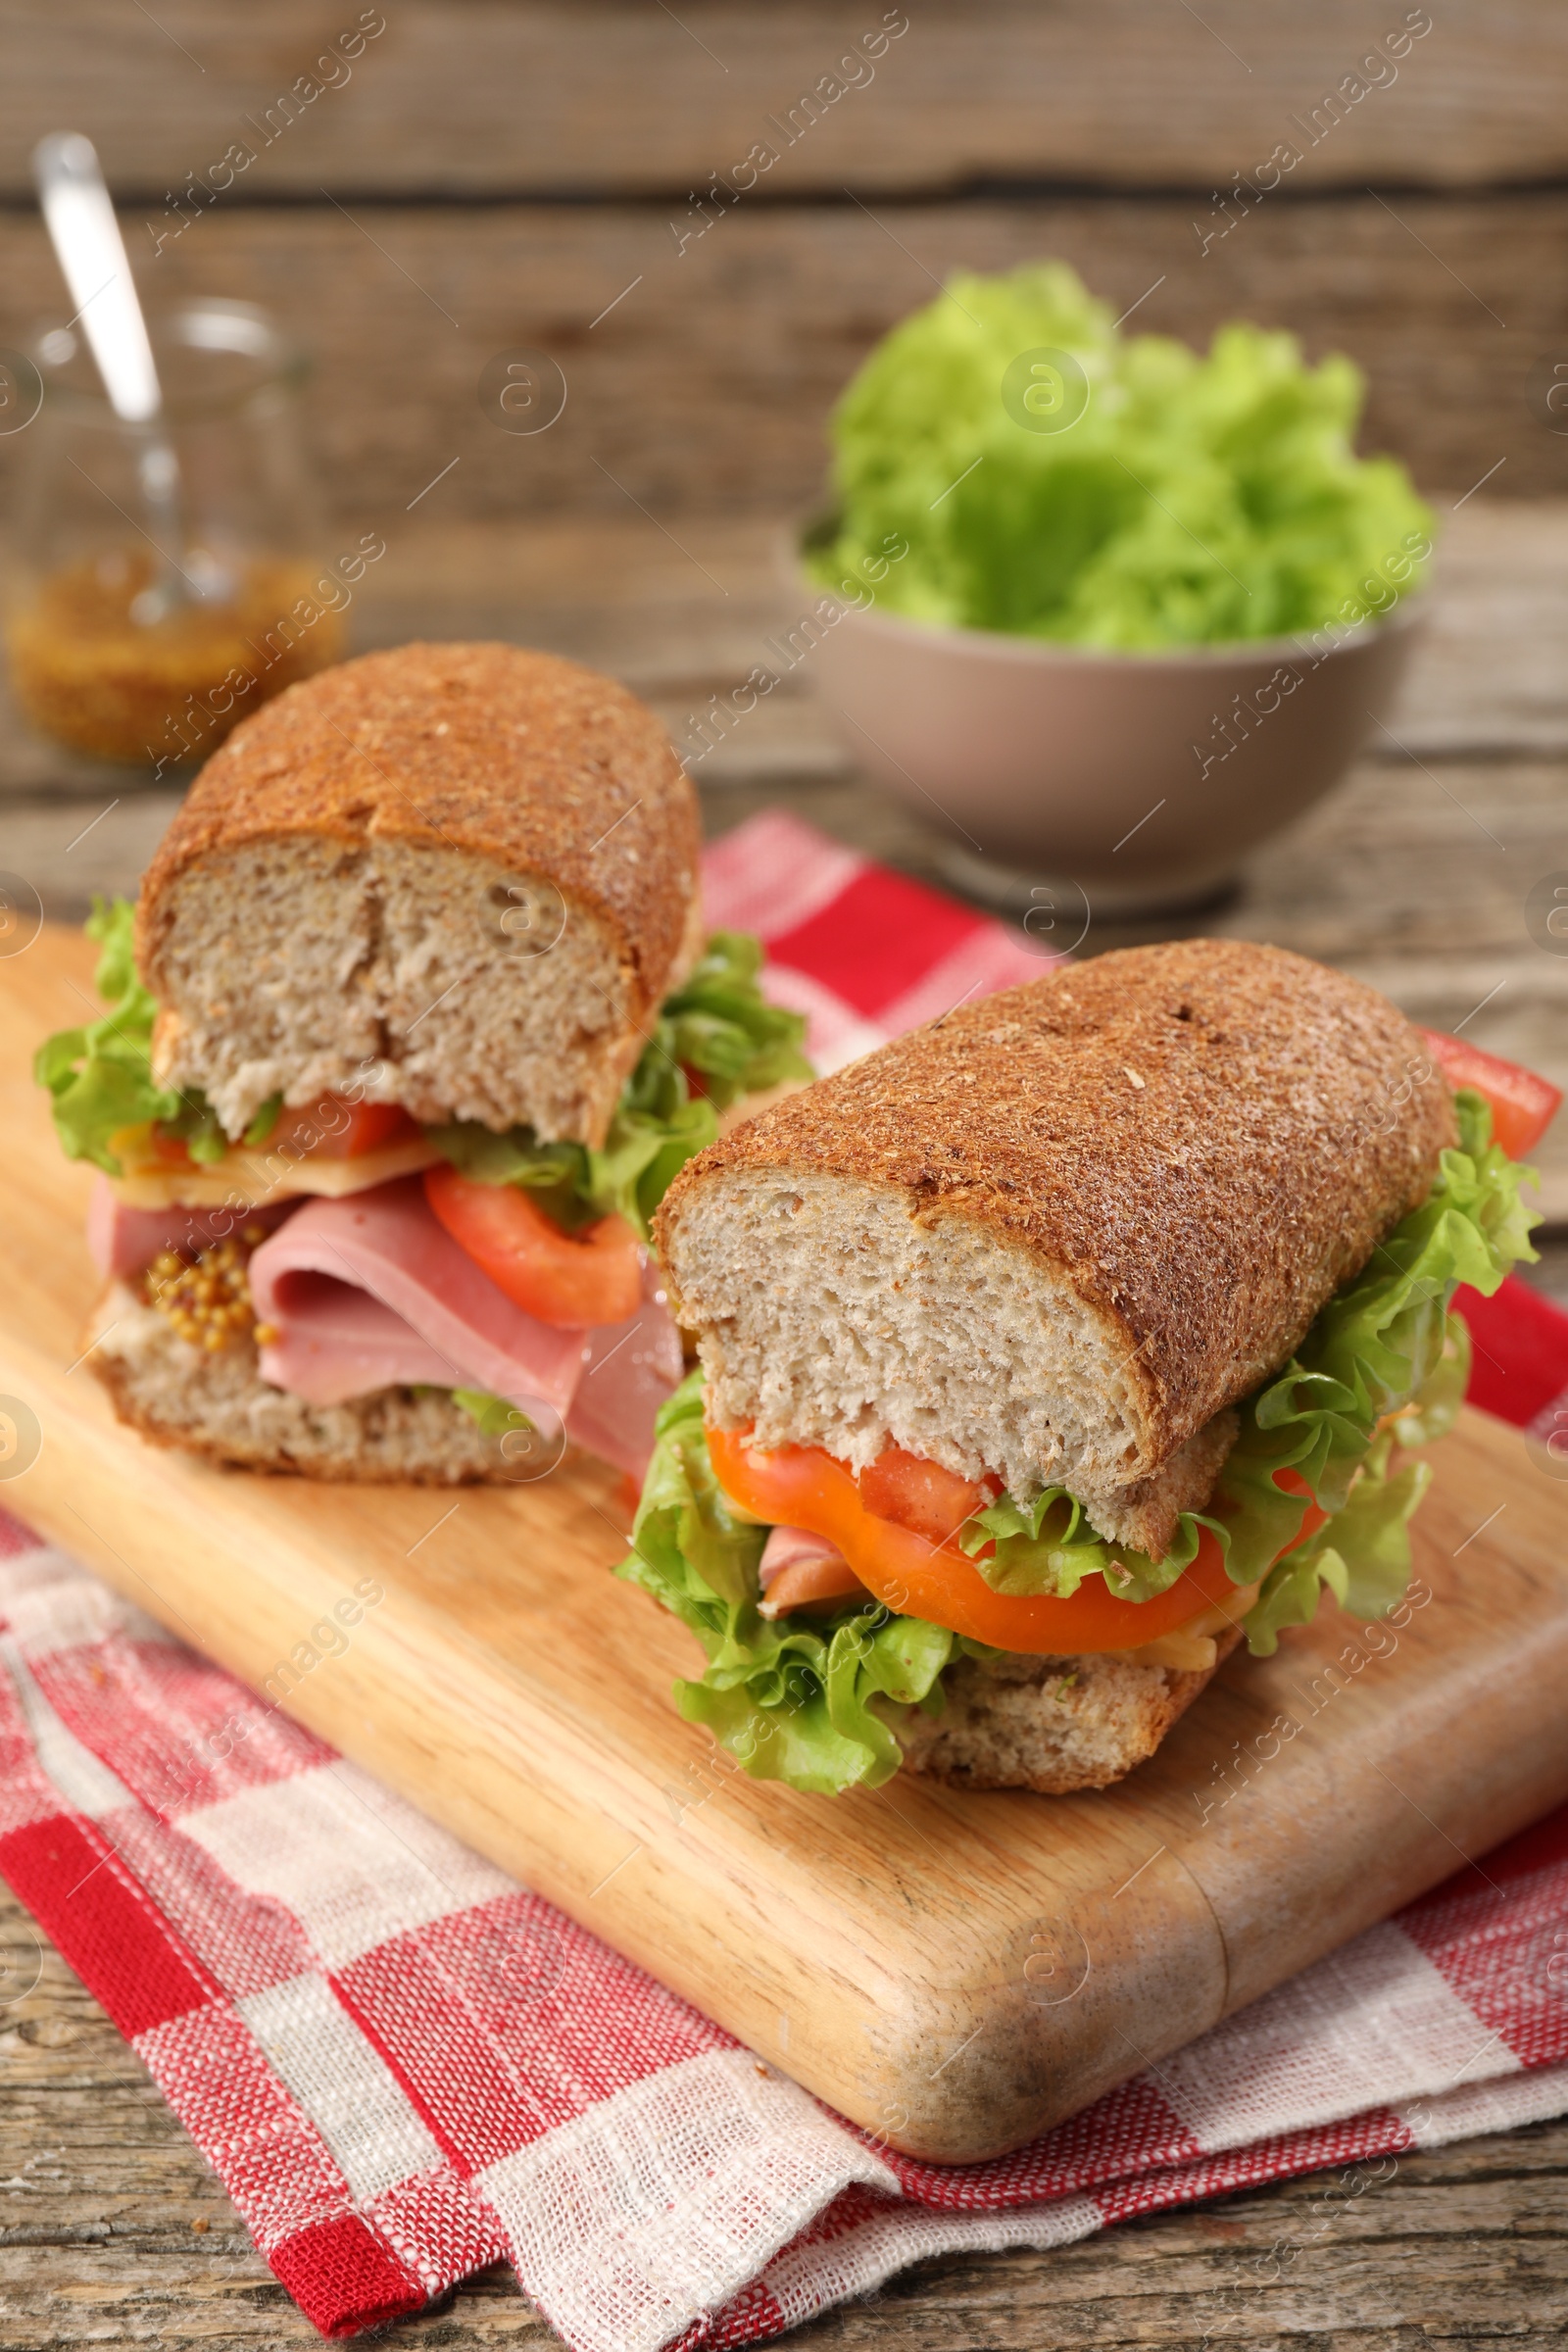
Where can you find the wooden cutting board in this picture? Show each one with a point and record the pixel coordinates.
(955, 1972)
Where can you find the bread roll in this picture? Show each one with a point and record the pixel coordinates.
(1055, 1233)
(458, 877)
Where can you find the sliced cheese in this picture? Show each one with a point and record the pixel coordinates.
(1192, 1648)
(255, 1175)
(1184, 1652)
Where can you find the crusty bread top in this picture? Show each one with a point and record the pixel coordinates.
(1201, 1140)
(539, 764)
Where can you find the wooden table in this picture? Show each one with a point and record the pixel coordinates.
(1414, 874)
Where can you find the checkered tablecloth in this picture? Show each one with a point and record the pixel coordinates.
(404, 2066)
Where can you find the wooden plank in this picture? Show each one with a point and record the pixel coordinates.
(485, 97)
(701, 381)
(684, 618)
(507, 1686)
(111, 2225)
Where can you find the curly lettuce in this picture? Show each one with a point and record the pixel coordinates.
(1135, 494)
(1362, 1554)
(717, 1026)
(814, 1701)
(494, 1416)
(792, 1699)
(1384, 1351)
(100, 1075)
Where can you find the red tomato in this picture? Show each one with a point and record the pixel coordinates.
(922, 1495)
(332, 1129)
(326, 1129)
(801, 1486)
(572, 1281)
(1523, 1106)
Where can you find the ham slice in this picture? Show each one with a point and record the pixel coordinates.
(790, 1547)
(336, 1342)
(629, 1370)
(371, 1289)
(124, 1240)
(798, 1568)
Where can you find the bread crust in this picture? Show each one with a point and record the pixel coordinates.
(1146, 1515)
(539, 764)
(1202, 1139)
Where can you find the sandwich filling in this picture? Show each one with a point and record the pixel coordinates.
(357, 1249)
(831, 1597)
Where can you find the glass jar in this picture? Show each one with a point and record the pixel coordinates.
(163, 579)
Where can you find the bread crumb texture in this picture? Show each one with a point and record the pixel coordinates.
(459, 877)
(1052, 1725)
(983, 1244)
(216, 1403)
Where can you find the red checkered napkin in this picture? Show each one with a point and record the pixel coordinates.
(404, 2066)
(862, 952)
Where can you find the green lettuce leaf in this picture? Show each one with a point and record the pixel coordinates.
(494, 1415)
(1384, 1344)
(717, 1024)
(1197, 499)
(100, 1075)
(1362, 1555)
(1434, 1407)
(1048, 1547)
(806, 1701)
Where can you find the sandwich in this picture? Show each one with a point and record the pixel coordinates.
(1052, 1350)
(411, 1024)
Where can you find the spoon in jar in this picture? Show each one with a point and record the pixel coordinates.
(91, 253)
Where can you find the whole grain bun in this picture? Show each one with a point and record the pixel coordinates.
(460, 877)
(1145, 1514)
(1053, 1724)
(1056, 1232)
(218, 1405)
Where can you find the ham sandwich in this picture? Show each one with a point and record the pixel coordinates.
(426, 1019)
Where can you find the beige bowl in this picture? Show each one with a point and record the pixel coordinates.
(1143, 778)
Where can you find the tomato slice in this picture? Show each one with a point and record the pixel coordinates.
(801, 1486)
(572, 1281)
(1523, 1104)
(332, 1129)
(916, 1494)
(328, 1129)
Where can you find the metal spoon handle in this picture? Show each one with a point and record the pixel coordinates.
(91, 253)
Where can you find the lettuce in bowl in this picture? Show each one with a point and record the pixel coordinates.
(1173, 499)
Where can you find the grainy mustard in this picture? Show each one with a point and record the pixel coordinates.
(208, 1298)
